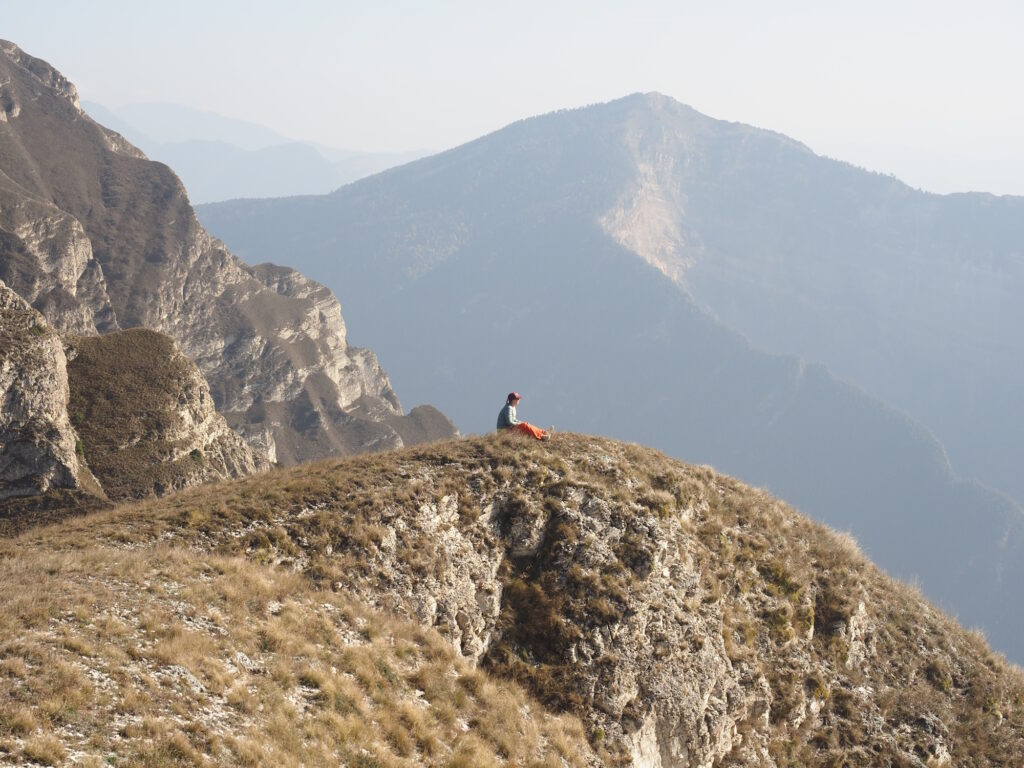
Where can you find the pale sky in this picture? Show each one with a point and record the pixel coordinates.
(927, 91)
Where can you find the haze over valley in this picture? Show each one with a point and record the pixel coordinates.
(219, 158)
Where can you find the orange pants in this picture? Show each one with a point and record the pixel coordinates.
(529, 429)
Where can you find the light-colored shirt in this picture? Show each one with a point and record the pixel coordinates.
(507, 417)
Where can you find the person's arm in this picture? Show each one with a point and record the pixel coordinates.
(512, 420)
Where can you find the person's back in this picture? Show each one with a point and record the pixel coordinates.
(507, 418)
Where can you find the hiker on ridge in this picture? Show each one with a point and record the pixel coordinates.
(507, 419)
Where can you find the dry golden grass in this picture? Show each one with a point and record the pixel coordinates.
(145, 609)
(168, 656)
(126, 390)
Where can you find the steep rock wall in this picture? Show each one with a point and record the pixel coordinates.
(98, 238)
(37, 441)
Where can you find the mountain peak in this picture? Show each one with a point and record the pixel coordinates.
(44, 74)
(98, 238)
(695, 253)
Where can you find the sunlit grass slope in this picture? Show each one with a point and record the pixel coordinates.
(233, 621)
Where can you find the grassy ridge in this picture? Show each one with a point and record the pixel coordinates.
(861, 669)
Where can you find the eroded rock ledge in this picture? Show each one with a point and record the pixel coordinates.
(37, 442)
(688, 619)
(113, 417)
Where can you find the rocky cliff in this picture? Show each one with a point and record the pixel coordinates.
(39, 450)
(686, 619)
(98, 239)
(88, 420)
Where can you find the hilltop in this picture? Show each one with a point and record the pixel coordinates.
(146, 418)
(719, 292)
(675, 616)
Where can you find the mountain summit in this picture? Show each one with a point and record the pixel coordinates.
(98, 238)
(643, 271)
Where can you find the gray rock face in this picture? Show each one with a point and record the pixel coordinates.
(144, 412)
(49, 261)
(37, 441)
(42, 72)
(688, 619)
(99, 238)
(658, 681)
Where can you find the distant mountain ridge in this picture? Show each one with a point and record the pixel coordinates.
(907, 294)
(570, 256)
(220, 158)
(97, 238)
(164, 123)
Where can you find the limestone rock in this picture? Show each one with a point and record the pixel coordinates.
(43, 73)
(37, 441)
(688, 619)
(99, 238)
(130, 403)
(668, 607)
(653, 672)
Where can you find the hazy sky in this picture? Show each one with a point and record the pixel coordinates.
(929, 91)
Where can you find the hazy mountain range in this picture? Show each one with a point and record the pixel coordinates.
(640, 270)
(483, 601)
(221, 158)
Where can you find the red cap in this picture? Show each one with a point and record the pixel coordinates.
(512, 396)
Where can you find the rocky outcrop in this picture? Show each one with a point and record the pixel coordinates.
(600, 604)
(37, 441)
(685, 618)
(98, 238)
(649, 666)
(688, 619)
(172, 655)
(146, 417)
(128, 403)
(48, 260)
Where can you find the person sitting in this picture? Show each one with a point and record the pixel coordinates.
(507, 419)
